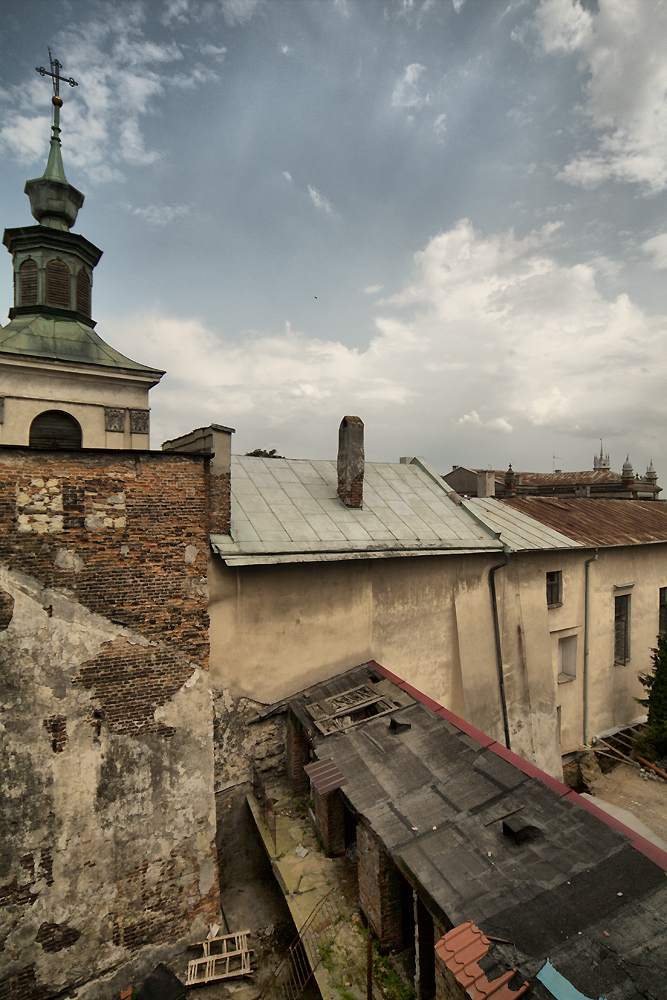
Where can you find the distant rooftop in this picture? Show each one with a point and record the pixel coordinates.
(517, 528)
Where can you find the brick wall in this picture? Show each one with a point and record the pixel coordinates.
(379, 889)
(108, 857)
(298, 755)
(330, 821)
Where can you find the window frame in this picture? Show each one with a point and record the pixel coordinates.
(572, 645)
(662, 611)
(622, 624)
(556, 583)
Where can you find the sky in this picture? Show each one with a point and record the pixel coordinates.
(448, 217)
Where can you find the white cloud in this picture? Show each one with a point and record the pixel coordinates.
(656, 247)
(239, 11)
(490, 335)
(287, 175)
(622, 47)
(121, 75)
(372, 289)
(406, 92)
(176, 11)
(440, 125)
(473, 419)
(319, 201)
(284, 50)
(159, 215)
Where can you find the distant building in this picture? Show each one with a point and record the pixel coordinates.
(600, 482)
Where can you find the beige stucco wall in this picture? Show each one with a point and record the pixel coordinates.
(278, 629)
(29, 391)
(531, 631)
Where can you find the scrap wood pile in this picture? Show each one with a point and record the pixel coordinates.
(223, 956)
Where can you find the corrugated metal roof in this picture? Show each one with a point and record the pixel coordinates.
(325, 775)
(516, 528)
(598, 522)
(289, 509)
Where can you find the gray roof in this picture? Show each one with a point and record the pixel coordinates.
(517, 530)
(288, 510)
(576, 887)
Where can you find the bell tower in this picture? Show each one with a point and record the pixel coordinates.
(61, 385)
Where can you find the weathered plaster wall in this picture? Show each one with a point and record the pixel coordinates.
(29, 391)
(278, 629)
(108, 853)
(531, 631)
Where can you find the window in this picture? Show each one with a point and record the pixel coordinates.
(55, 429)
(28, 283)
(567, 658)
(83, 293)
(555, 588)
(57, 284)
(622, 629)
(662, 620)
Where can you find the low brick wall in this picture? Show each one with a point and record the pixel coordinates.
(379, 889)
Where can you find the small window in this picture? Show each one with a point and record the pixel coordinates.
(83, 293)
(622, 629)
(555, 588)
(57, 284)
(662, 620)
(55, 429)
(28, 283)
(567, 658)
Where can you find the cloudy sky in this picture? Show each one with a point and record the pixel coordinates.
(446, 216)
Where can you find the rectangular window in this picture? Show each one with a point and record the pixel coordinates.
(554, 588)
(567, 658)
(622, 629)
(662, 621)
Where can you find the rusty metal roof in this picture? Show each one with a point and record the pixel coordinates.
(325, 775)
(598, 522)
(461, 949)
(587, 477)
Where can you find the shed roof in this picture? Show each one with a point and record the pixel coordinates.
(597, 522)
(581, 889)
(288, 510)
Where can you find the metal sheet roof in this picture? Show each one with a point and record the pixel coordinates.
(288, 510)
(598, 522)
(517, 529)
(325, 775)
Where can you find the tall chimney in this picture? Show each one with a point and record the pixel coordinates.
(486, 483)
(351, 461)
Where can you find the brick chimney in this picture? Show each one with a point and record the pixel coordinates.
(351, 461)
(215, 443)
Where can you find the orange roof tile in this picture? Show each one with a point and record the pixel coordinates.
(461, 949)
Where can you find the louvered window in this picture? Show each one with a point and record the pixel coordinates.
(57, 284)
(55, 429)
(83, 293)
(28, 283)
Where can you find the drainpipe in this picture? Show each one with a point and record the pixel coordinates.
(499, 652)
(586, 639)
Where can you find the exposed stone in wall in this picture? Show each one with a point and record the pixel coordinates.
(238, 744)
(107, 852)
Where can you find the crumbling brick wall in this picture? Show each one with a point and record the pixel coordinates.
(108, 824)
(379, 889)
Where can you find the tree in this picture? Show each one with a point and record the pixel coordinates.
(654, 738)
(261, 453)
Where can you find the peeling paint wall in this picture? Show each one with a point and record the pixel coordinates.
(107, 856)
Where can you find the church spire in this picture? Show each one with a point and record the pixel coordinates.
(53, 201)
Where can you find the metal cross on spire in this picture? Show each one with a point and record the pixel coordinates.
(56, 77)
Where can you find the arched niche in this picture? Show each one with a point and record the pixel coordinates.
(55, 429)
